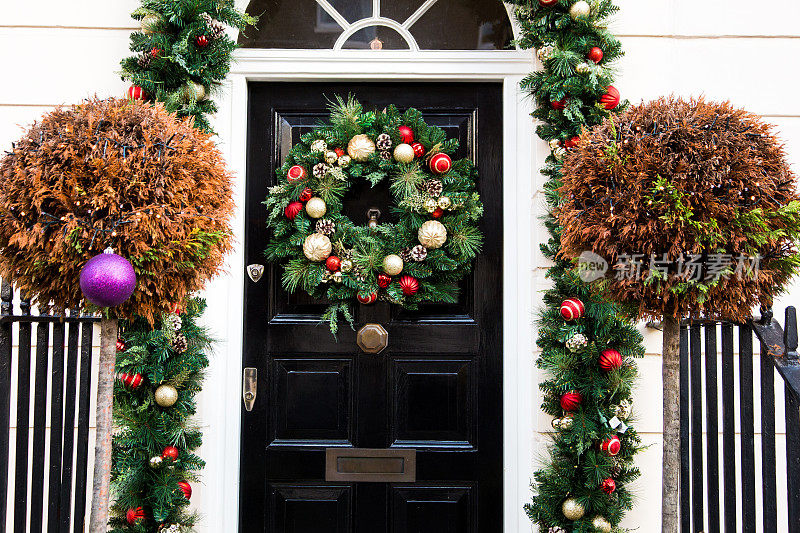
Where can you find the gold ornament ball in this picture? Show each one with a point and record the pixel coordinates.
(317, 247)
(445, 203)
(337, 277)
(572, 509)
(556, 423)
(566, 423)
(601, 524)
(156, 461)
(430, 205)
(559, 153)
(580, 9)
(360, 147)
(166, 395)
(331, 157)
(432, 234)
(344, 161)
(150, 23)
(316, 207)
(193, 91)
(554, 143)
(392, 264)
(403, 153)
(346, 266)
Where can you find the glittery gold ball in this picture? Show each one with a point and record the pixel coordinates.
(337, 277)
(360, 147)
(432, 234)
(566, 423)
(392, 264)
(331, 157)
(445, 203)
(601, 524)
(346, 266)
(193, 91)
(317, 247)
(572, 509)
(403, 153)
(166, 395)
(150, 23)
(316, 207)
(430, 205)
(580, 9)
(344, 161)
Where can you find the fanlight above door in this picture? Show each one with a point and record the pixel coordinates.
(375, 24)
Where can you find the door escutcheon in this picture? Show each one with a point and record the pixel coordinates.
(249, 385)
(372, 338)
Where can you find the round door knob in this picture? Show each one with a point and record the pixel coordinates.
(372, 338)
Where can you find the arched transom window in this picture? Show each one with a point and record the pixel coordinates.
(380, 24)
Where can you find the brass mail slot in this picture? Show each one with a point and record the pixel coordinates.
(370, 465)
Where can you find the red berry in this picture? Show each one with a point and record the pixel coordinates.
(572, 143)
(170, 452)
(339, 152)
(333, 263)
(176, 308)
(438, 212)
(202, 41)
(384, 280)
(559, 104)
(419, 150)
(306, 195)
(292, 210)
(186, 489)
(406, 134)
(154, 52)
(595, 54)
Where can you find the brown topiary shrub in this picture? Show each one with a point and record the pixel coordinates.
(674, 177)
(116, 173)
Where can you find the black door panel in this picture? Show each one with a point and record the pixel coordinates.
(437, 388)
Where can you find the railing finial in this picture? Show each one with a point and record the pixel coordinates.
(790, 333)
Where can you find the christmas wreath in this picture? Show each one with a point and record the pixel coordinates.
(419, 258)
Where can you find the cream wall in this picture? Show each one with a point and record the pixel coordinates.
(56, 52)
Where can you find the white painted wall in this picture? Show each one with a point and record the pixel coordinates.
(57, 52)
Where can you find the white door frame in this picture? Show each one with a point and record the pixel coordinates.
(221, 401)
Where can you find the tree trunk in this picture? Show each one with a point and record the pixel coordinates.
(670, 486)
(102, 449)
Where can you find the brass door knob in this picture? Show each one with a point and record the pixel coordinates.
(372, 338)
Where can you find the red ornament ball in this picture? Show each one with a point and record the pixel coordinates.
(608, 486)
(409, 285)
(406, 134)
(170, 452)
(132, 381)
(559, 104)
(438, 212)
(333, 263)
(134, 515)
(595, 54)
(154, 52)
(176, 308)
(121, 346)
(610, 100)
(610, 360)
(572, 309)
(306, 195)
(339, 152)
(611, 445)
(201, 41)
(292, 210)
(186, 489)
(419, 150)
(440, 163)
(572, 143)
(571, 400)
(384, 280)
(547, 3)
(136, 93)
(296, 173)
(367, 299)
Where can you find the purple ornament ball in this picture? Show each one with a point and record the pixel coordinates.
(108, 279)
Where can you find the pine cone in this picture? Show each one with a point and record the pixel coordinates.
(174, 322)
(216, 29)
(556, 529)
(320, 169)
(405, 255)
(325, 226)
(383, 142)
(179, 343)
(433, 187)
(144, 60)
(418, 253)
(386, 155)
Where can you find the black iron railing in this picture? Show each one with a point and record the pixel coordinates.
(700, 381)
(57, 351)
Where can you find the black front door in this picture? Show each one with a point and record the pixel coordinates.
(436, 389)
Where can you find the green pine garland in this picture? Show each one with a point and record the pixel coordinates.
(173, 352)
(419, 195)
(577, 467)
(183, 53)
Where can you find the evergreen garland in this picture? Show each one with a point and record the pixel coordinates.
(182, 53)
(573, 91)
(446, 200)
(171, 353)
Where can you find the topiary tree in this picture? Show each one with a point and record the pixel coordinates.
(119, 174)
(694, 205)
